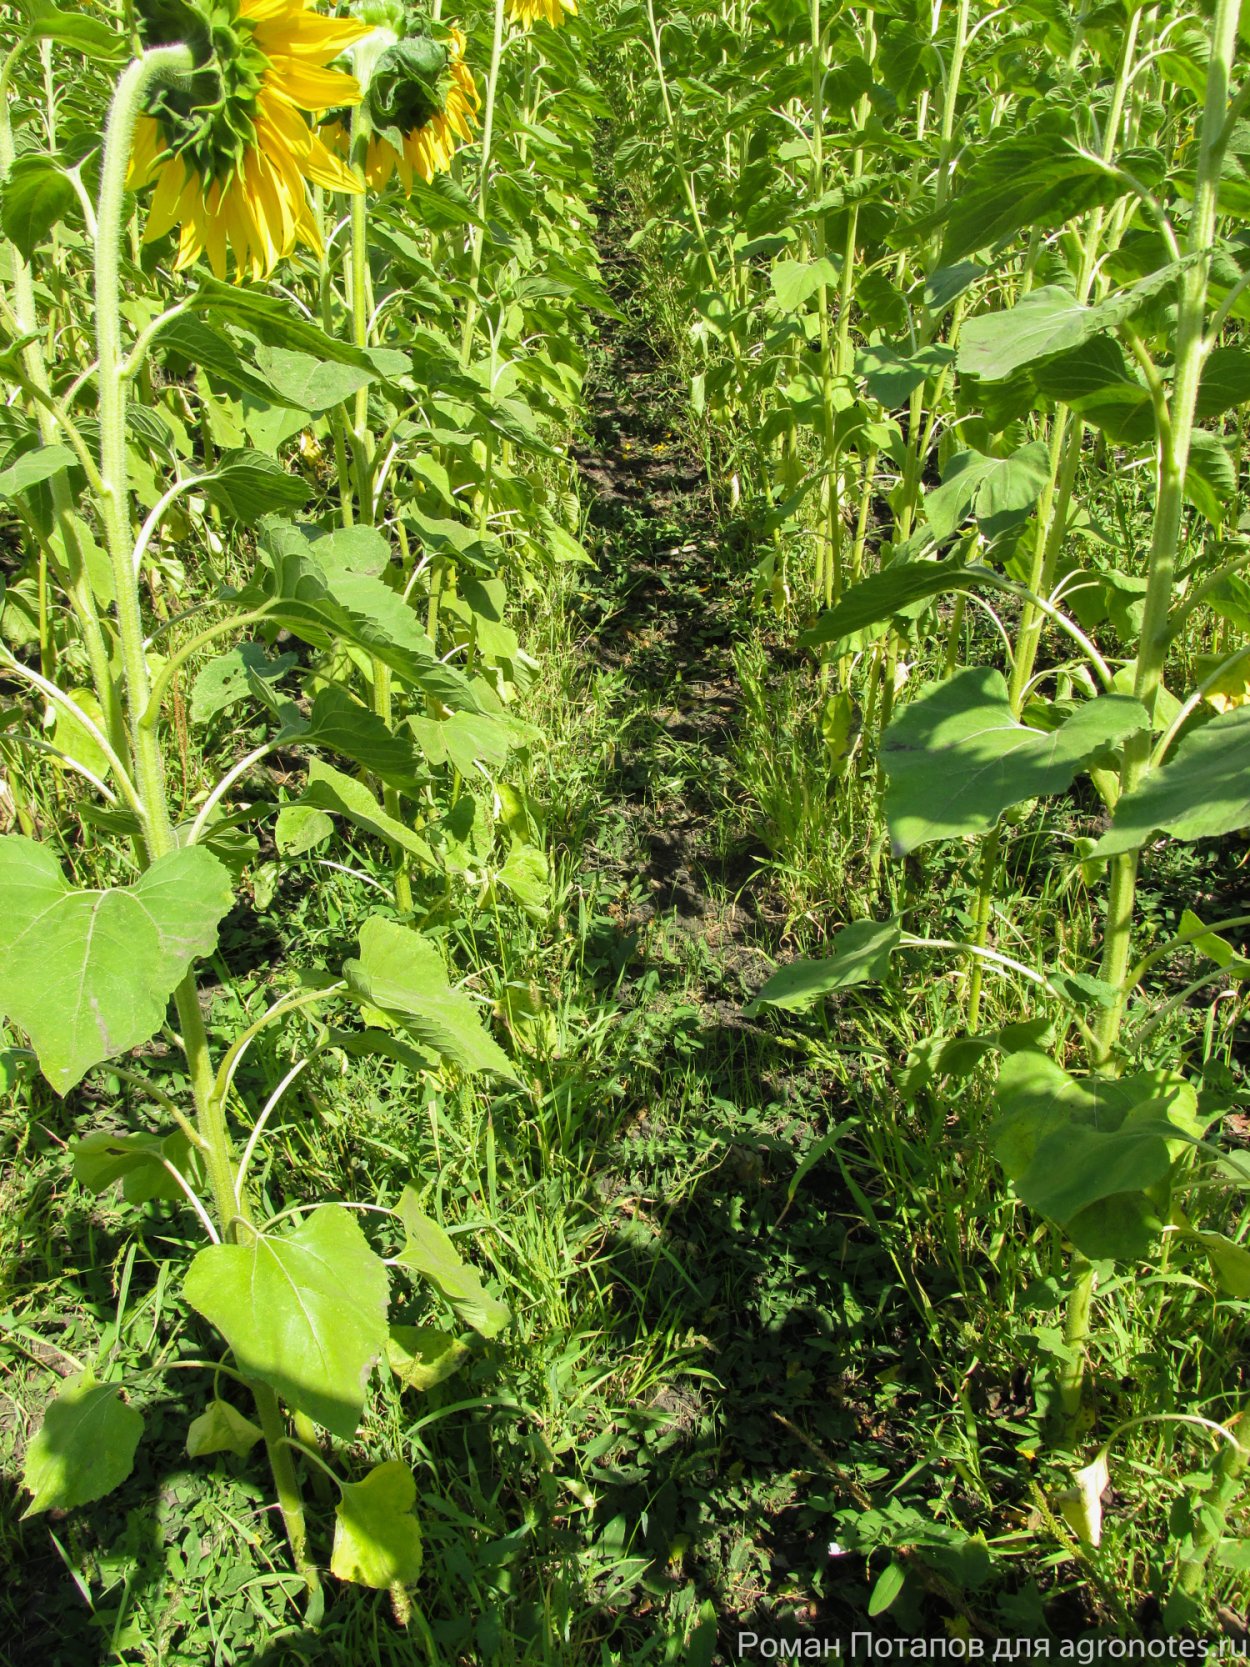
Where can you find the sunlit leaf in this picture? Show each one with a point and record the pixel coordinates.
(303, 1311)
(429, 1251)
(377, 1539)
(402, 973)
(88, 974)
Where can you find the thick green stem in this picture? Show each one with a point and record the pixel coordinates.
(483, 185)
(950, 99)
(160, 63)
(159, 837)
(363, 447)
(1076, 1338)
(147, 764)
(983, 908)
(286, 1482)
(1175, 428)
(1052, 516)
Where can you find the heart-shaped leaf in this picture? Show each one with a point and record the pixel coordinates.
(999, 491)
(221, 1429)
(377, 1539)
(1089, 1153)
(422, 1356)
(88, 974)
(305, 1312)
(36, 194)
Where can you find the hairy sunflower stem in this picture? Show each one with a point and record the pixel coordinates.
(478, 233)
(380, 674)
(1174, 428)
(146, 761)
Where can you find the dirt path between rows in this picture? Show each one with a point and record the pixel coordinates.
(698, 1183)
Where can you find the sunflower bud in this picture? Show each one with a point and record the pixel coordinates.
(419, 97)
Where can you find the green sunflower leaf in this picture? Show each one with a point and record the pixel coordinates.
(35, 196)
(403, 974)
(305, 1312)
(957, 757)
(377, 1539)
(88, 974)
(84, 1448)
(429, 1251)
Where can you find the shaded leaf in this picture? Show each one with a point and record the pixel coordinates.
(246, 485)
(1200, 791)
(324, 605)
(301, 828)
(999, 491)
(861, 955)
(956, 757)
(84, 1448)
(35, 196)
(329, 789)
(33, 467)
(346, 726)
(228, 678)
(101, 1159)
(309, 382)
(221, 1429)
(422, 1356)
(796, 281)
(889, 593)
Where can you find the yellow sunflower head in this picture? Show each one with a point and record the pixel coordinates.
(529, 12)
(230, 150)
(420, 102)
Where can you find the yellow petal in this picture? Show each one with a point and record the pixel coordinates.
(312, 88)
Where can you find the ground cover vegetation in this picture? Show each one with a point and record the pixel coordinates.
(626, 709)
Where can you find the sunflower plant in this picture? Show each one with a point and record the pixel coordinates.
(227, 147)
(214, 113)
(267, 504)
